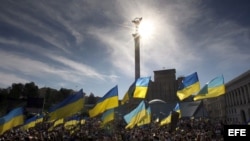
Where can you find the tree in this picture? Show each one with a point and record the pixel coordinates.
(50, 97)
(30, 90)
(16, 90)
(91, 99)
(3, 101)
(64, 93)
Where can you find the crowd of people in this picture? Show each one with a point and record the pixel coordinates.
(184, 130)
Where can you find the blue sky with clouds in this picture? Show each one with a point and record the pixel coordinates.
(88, 44)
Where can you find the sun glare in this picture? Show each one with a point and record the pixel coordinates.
(146, 29)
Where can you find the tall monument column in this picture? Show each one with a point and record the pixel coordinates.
(136, 36)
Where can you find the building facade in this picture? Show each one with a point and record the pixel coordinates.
(216, 108)
(234, 106)
(237, 99)
(231, 108)
(164, 86)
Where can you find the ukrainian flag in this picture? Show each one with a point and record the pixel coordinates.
(71, 123)
(56, 123)
(190, 85)
(128, 94)
(39, 119)
(141, 87)
(213, 88)
(108, 101)
(68, 107)
(166, 120)
(12, 119)
(31, 122)
(135, 116)
(108, 116)
(177, 109)
(147, 118)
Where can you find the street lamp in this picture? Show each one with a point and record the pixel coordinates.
(136, 36)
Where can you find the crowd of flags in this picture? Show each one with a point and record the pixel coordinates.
(190, 86)
(105, 106)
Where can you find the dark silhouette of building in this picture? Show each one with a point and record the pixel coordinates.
(164, 86)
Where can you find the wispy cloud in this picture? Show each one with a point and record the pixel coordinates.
(81, 69)
(31, 68)
(8, 79)
(71, 43)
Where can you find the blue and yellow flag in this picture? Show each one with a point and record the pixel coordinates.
(166, 120)
(189, 85)
(31, 122)
(177, 109)
(39, 119)
(136, 115)
(146, 119)
(108, 116)
(213, 88)
(12, 119)
(129, 94)
(56, 123)
(68, 107)
(72, 122)
(141, 87)
(108, 101)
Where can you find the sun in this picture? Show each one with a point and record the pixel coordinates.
(146, 29)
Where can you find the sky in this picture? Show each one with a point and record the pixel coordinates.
(88, 44)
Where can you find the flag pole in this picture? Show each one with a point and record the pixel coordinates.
(43, 104)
